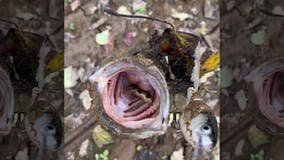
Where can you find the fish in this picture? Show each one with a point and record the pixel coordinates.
(200, 128)
(44, 128)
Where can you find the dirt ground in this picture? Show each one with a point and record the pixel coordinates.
(240, 21)
(83, 56)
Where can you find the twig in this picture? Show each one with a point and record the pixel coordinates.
(268, 13)
(79, 131)
(236, 131)
(135, 16)
(56, 30)
(98, 23)
(213, 29)
(6, 21)
(84, 12)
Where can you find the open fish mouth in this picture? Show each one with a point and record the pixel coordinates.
(271, 98)
(6, 103)
(134, 93)
(268, 81)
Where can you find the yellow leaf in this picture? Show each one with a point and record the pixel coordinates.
(212, 63)
(203, 29)
(101, 137)
(56, 63)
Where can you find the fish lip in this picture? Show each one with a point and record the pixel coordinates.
(152, 125)
(7, 94)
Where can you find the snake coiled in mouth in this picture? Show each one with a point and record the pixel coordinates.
(134, 93)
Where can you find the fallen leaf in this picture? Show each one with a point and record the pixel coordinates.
(70, 156)
(143, 8)
(81, 74)
(90, 9)
(237, 75)
(241, 98)
(258, 37)
(102, 38)
(75, 5)
(203, 28)
(239, 148)
(72, 27)
(101, 137)
(69, 91)
(210, 9)
(230, 5)
(74, 120)
(103, 3)
(257, 137)
(68, 36)
(257, 156)
(86, 99)
(278, 10)
(227, 75)
(139, 5)
(70, 77)
(22, 155)
(211, 64)
(178, 154)
(56, 63)
(83, 148)
(25, 15)
(93, 9)
(179, 15)
(123, 10)
(128, 38)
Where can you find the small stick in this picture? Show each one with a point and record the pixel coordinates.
(88, 125)
(268, 13)
(235, 132)
(6, 21)
(136, 16)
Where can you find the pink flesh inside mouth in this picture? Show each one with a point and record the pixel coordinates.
(131, 100)
(271, 98)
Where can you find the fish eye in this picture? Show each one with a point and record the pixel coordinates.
(50, 129)
(206, 129)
